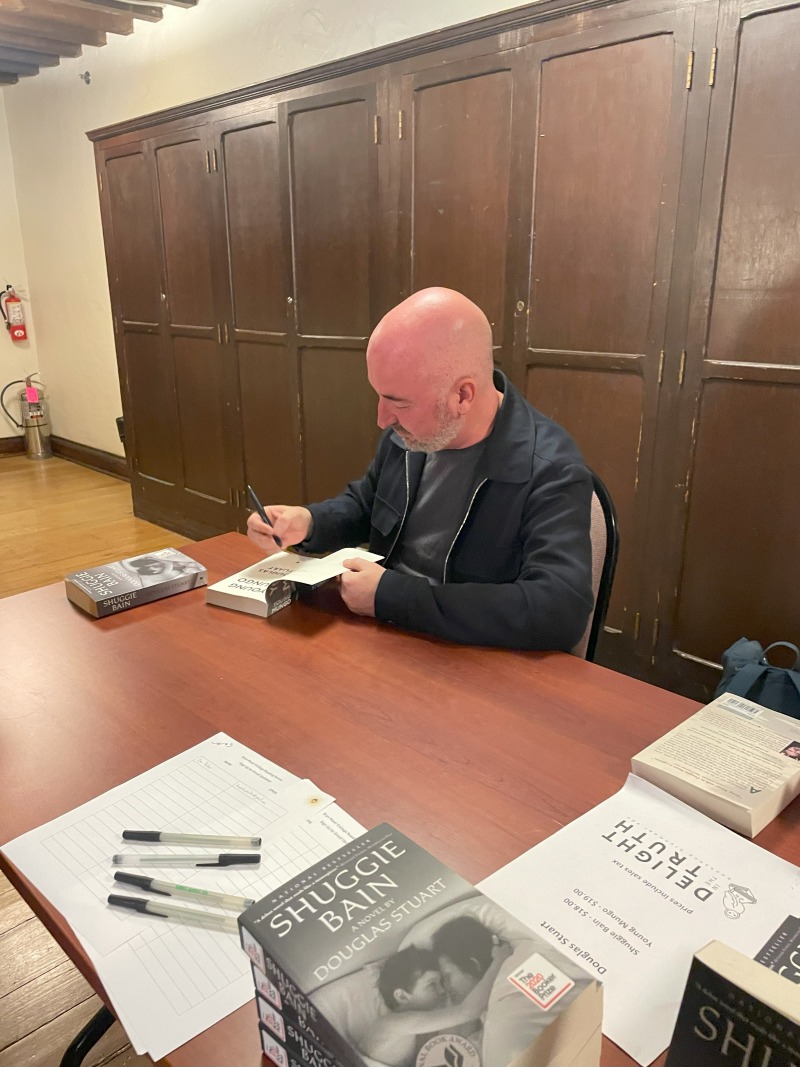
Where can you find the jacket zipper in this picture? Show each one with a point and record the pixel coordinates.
(461, 527)
(405, 512)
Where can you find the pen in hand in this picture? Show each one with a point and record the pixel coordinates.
(262, 513)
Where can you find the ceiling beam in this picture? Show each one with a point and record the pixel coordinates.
(180, 3)
(147, 12)
(74, 13)
(12, 66)
(63, 31)
(20, 55)
(32, 43)
(8, 79)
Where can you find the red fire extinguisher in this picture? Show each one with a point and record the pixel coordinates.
(11, 309)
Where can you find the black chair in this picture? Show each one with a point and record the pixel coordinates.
(605, 549)
(84, 1042)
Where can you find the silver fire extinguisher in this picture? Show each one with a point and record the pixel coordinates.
(35, 417)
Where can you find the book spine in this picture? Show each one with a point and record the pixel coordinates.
(113, 605)
(302, 1015)
(295, 1043)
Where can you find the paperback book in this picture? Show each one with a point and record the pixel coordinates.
(735, 761)
(396, 961)
(127, 583)
(735, 1011)
(782, 952)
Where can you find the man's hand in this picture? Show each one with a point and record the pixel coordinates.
(358, 585)
(291, 524)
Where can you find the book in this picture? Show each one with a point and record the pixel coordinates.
(401, 962)
(271, 584)
(127, 583)
(735, 1012)
(782, 952)
(735, 761)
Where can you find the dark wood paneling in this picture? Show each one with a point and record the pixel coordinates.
(95, 459)
(202, 396)
(12, 445)
(333, 180)
(152, 418)
(269, 403)
(183, 186)
(743, 535)
(138, 265)
(251, 170)
(581, 401)
(736, 531)
(612, 108)
(457, 182)
(339, 416)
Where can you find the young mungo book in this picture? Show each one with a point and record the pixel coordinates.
(271, 584)
(735, 1013)
(735, 761)
(381, 956)
(115, 587)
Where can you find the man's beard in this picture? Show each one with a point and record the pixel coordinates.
(449, 426)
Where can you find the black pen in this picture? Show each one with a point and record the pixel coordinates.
(174, 859)
(262, 513)
(141, 881)
(175, 911)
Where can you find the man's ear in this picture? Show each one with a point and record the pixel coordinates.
(466, 394)
(400, 996)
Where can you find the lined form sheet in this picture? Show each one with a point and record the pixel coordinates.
(168, 981)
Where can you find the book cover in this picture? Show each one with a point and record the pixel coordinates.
(782, 952)
(736, 761)
(413, 967)
(127, 583)
(735, 1012)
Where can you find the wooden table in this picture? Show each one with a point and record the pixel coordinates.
(475, 753)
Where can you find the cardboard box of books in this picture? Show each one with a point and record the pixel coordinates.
(735, 761)
(735, 1011)
(392, 960)
(127, 583)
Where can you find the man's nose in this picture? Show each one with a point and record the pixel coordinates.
(385, 416)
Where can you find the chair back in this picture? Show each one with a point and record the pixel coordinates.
(605, 549)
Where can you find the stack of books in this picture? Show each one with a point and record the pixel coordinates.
(381, 955)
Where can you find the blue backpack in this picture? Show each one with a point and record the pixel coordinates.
(747, 672)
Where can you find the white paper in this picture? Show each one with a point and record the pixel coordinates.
(168, 981)
(604, 892)
(307, 570)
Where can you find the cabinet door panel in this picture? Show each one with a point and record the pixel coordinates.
(153, 416)
(136, 244)
(612, 108)
(736, 531)
(456, 183)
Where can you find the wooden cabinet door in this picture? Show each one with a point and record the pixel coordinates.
(459, 216)
(333, 186)
(258, 319)
(608, 136)
(735, 535)
(204, 381)
(135, 268)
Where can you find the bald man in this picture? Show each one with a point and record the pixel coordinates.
(479, 504)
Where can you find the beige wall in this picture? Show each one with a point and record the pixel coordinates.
(17, 358)
(217, 46)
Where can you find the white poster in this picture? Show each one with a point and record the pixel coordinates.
(632, 889)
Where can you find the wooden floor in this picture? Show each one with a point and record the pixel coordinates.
(56, 517)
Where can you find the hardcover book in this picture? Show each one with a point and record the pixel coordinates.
(735, 761)
(127, 583)
(271, 584)
(403, 963)
(735, 1012)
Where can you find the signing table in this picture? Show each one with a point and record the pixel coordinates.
(476, 753)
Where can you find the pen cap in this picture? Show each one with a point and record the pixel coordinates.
(134, 903)
(229, 858)
(141, 835)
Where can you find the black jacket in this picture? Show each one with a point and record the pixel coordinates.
(518, 574)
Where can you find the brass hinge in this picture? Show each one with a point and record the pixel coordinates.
(656, 626)
(712, 73)
(219, 334)
(208, 162)
(100, 180)
(682, 367)
(400, 117)
(214, 159)
(376, 129)
(225, 332)
(689, 70)
(637, 618)
(661, 366)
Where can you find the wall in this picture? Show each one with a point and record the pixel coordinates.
(190, 54)
(16, 358)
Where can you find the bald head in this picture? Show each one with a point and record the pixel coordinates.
(430, 362)
(439, 336)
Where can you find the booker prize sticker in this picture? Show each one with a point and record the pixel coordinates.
(540, 980)
(448, 1050)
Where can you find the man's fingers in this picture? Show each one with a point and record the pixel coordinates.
(355, 564)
